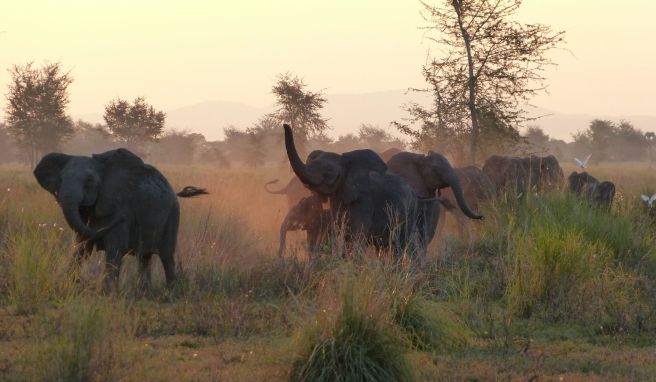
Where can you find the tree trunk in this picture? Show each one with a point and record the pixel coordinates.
(471, 83)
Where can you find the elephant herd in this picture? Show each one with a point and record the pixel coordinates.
(367, 188)
(117, 203)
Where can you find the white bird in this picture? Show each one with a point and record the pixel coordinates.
(649, 200)
(583, 163)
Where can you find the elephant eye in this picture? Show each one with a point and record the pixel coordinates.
(89, 180)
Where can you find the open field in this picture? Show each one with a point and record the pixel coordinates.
(544, 289)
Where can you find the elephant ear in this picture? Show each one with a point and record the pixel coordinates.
(48, 171)
(121, 172)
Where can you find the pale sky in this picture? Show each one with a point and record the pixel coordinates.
(178, 53)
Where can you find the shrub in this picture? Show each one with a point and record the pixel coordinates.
(562, 259)
(430, 325)
(355, 340)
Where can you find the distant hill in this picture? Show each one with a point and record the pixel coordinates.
(348, 111)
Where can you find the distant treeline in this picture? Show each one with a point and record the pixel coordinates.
(262, 144)
(257, 146)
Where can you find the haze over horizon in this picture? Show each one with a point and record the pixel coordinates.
(185, 54)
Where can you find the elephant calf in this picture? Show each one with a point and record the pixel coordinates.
(584, 184)
(309, 216)
(116, 203)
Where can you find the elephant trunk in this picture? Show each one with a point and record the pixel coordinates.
(454, 182)
(300, 169)
(71, 209)
(281, 191)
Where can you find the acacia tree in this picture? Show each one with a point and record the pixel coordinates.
(36, 108)
(299, 107)
(493, 65)
(134, 124)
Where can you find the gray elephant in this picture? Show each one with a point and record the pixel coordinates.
(294, 190)
(116, 203)
(307, 215)
(584, 184)
(376, 206)
(389, 153)
(522, 175)
(428, 175)
(476, 187)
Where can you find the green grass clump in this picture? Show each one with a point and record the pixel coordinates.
(357, 340)
(37, 268)
(563, 259)
(87, 344)
(431, 326)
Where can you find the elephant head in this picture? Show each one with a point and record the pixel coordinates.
(75, 182)
(551, 174)
(428, 174)
(332, 174)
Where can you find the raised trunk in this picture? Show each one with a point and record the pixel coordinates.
(281, 191)
(453, 181)
(297, 164)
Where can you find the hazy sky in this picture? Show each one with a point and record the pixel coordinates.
(178, 53)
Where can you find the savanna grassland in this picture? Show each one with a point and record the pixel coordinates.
(546, 288)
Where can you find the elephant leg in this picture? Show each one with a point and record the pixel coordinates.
(144, 271)
(116, 246)
(167, 248)
(284, 227)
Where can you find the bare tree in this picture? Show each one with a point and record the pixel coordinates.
(492, 64)
(36, 108)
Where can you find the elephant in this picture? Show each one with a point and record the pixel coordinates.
(584, 184)
(116, 203)
(294, 190)
(476, 186)
(310, 216)
(389, 153)
(374, 204)
(522, 175)
(428, 175)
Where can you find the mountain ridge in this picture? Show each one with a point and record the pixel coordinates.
(347, 111)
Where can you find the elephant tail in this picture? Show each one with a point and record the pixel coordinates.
(191, 191)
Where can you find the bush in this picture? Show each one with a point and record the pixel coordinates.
(355, 340)
(562, 259)
(430, 325)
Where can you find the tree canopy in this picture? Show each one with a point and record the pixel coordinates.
(36, 108)
(491, 66)
(134, 124)
(299, 107)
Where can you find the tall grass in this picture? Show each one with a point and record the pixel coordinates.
(353, 336)
(563, 259)
(88, 344)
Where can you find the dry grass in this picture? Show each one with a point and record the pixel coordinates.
(518, 300)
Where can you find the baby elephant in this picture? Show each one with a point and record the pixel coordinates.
(307, 215)
(584, 184)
